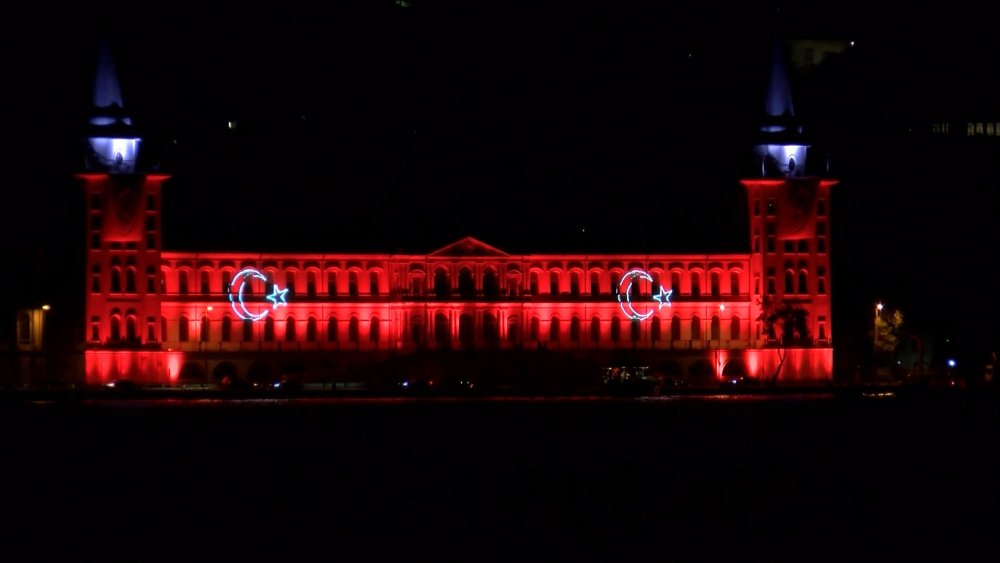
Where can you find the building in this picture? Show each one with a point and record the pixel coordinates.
(162, 317)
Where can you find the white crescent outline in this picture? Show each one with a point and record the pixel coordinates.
(239, 307)
(631, 275)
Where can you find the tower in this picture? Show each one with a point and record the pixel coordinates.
(789, 206)
(122, 209)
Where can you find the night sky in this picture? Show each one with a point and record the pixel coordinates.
(577, 126)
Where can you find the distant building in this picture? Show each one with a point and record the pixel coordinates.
(162, 317)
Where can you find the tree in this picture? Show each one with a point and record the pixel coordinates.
(785, 323)
(888, 328)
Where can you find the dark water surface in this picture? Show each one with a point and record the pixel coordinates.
(759, 478)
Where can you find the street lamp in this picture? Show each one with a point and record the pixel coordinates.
(878, 309)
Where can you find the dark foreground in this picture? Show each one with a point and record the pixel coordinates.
(761, 478)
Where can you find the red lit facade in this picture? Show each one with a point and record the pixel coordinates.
(160, 317)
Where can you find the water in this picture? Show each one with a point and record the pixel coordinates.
(759, 477)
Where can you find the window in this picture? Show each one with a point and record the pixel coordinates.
(352, 284)
(150, 329)
(595, 284)
(203, 282)
(574, 284)
(95, 329)
(373, 284)
(715, 284)
(247, 330)
(554, 283)
(269, 329)
(574, 329)
(290, 283)
(491, 331)
(616, 329)
(353, 331)
(675, 328)
(116, 328)
(95, 278)
(554, 329)
(675, 282)
(331, 284)
(416, 329)
(466, 331)
(311, 329)
(695, 284)
(289, 329)
(770, 207)
(204, 329)
(803, 283)
(789, 283)
(595, 329)
(734, 283)
(331, 329)
(442, 330)
(182, 329)
(695, 328)
(734, 328)
(227, 329)
(636, 330)
(442, 288)
(654, 329)
(182, 282)
(373, 330)
(533, 283)
(311, 284)
(116, 279)
(716, 328)
(533, 329)
(466, 286)
(491, 284)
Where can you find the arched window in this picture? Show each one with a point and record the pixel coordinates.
(352, 284)
(227, 329)
(491, 284)
(290, 283)
(442, 330)
(675, 282)
(353, 331)
(311, 329)
(715, 283)
(595, 284)
(789, 282)
(636, 329)
(716, 328)
(466, 330)
(131, 334)
(554, 329)
(533, 329)
(247, 330)
(491, 331)
(803, 283)
(513, 335)
(269, 329)
(331, 284)
(533, 284)
(595, 329)
(554, 283)
(616, 328)
(331, 329)
(695, 284)
(695, 328)
(675, 328)
(204, 336)
(290, 329)
(416, 329)
(182, 282)
(374, 330)
(466, 286)
(654, 329)
(130, 279)
(574, 329)
(442, 288)
(734, 283)
(574, 284)
(311, 284)
(182, 328)
(203, 282)
(734, 328)
(116, 328)
(116, 279)
(373, 284)
(226, 277)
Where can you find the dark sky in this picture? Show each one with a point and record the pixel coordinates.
(570, 126)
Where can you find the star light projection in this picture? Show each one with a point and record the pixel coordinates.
(629, 279)
(237, 288)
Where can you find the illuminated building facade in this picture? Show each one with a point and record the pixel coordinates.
(161, 317)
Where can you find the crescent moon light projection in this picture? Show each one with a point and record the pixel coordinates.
(631, 278)
(238, 285)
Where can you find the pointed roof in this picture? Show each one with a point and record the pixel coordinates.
(468, 246)
(778, 100)
(107, 91)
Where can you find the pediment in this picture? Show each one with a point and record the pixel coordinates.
(468, 246)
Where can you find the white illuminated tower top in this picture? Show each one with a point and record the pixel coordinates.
(113, 142)
(781, 148)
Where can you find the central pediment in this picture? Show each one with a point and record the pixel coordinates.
(468, 246)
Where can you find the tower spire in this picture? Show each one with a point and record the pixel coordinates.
(114, 145)
(778, 101)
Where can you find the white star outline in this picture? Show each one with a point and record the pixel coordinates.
(663, 297)
(278, 297)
